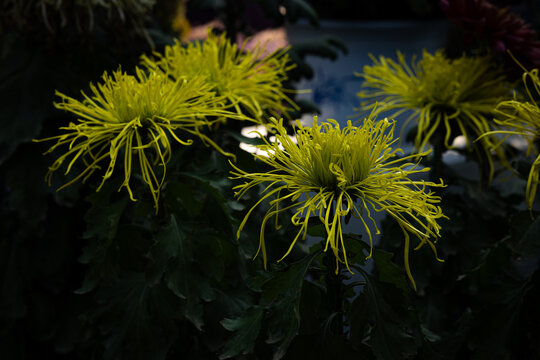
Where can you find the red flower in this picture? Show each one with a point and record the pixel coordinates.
(502, 29)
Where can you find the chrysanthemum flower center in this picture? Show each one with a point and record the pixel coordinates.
(334, 166)
(335, 159)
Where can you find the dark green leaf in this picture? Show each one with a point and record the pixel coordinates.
(357, 249)
(312, 308)
(210, 255)
(317, 231)
(173, 260)
(297, 7)
(168, 245)
(137, 321)
(282, 295)
(390, 272)
(102, 221)
(246, 329)
(531, 238)
(390, 338)
(104, 214)
(324, 47)
(214, 183)
(27, 198)
(27, 95)
(285, 286)
(359, 315)
(178, 194)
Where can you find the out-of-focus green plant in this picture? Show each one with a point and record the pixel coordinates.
(445, 97)
(326, 170)
(251, 82)
(129, 116)
(57, 14)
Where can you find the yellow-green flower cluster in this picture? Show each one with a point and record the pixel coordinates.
(187, 90)
(250, 81)
(331, 172)
(131, 119)
(523, 118)
(450, 96)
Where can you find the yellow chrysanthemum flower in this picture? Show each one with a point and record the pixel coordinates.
(250, 81)
(332, 172)
(523, 118)
(450, 97)
(133, 116)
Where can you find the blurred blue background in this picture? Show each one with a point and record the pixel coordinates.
(334, 85)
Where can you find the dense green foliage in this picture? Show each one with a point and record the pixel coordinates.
(94, 275)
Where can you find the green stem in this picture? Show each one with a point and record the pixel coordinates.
(483, 164)
(335, 290)
(438, 150)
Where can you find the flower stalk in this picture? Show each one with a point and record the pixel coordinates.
(335, 292)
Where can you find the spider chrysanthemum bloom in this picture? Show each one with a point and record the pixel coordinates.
(251, 82)
(523, 118)
(332, 172)
(444, 96)
(132, 119)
